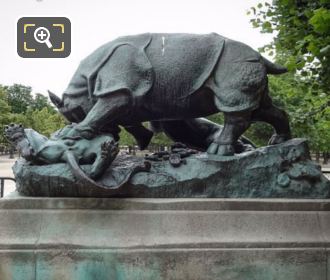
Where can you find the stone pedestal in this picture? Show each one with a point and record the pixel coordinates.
(95, 238)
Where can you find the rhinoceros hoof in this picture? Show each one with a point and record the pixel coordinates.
(221, 149)
(278, 139)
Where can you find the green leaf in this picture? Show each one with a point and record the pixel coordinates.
(321, 20)
(255, 24)
(291, 65)
(310, 58)
(312, 47)
(300, 64)
(267, 25)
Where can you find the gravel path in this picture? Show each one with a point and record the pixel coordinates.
(5, 171)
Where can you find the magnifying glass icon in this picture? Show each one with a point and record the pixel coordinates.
(41, 35)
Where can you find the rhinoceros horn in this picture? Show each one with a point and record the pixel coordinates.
(75, 114)
(55, 100)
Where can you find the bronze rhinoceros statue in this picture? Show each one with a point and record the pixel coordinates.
(172, 80)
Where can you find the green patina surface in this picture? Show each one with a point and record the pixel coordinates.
(279, 171)
(148, 265)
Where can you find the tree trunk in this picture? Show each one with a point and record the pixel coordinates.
(317, 154)
(325, 157)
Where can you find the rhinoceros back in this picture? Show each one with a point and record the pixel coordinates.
(173, 65)
(182, 63)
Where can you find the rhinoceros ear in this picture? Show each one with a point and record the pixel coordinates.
(55, 99)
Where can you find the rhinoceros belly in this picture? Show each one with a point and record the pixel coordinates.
(181, 64)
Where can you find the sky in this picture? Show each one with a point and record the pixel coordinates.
(95, 22)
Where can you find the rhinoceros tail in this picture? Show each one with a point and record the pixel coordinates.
(273, 68)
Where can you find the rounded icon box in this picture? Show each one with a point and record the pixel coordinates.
(43, 37)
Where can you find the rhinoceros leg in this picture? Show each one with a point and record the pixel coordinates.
(234, 126)
(278, 119)
(195, 133)
(106, 111)
(141, 134)
(199, 133)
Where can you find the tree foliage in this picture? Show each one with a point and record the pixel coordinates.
(19, 98)
(308, 116)
(160, 139)
(4, 112)
(126, 138)
(19, 105)
(302, 36)
(40, 102)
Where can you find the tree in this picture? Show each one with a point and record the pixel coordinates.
(45, 121)
(126, 138)
(302, 36)
(4, 107)
(161, 140)
(19, 98)
(302, 43)
(217, 118)
(4, 112)
(36, 113)
(40, 101)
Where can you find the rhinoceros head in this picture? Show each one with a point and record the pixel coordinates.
(74, 109)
